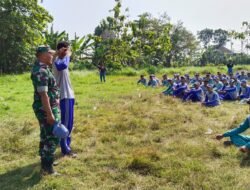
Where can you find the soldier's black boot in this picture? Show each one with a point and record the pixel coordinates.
(47, 168)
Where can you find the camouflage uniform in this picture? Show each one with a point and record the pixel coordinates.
(44, 81)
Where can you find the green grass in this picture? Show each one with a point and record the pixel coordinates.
(126, 137)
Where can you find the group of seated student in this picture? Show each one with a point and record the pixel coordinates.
(210, 89)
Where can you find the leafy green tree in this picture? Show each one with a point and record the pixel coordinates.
(81, 48)
(184, 45)
(206, 36)
(220, 37)
(22, 23)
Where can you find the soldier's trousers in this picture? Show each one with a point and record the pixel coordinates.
(48, 142)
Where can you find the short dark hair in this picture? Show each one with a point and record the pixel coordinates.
(62, 44)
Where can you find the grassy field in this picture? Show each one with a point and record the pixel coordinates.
(126, 137)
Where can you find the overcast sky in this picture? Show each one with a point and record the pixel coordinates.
(82, 16)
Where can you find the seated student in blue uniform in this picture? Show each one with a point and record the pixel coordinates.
(142, 80)
(152, 81)
(218, 85)
(230, 92)
(212, 98)
(170, 90)
(225, 84)
(242, 76)
(204, 86)
(187, 77)
(237, 84)
(248, 76)
(236, 138)
(195, 94)
(177, 79)
(164, 81)
(219, 75)
(209, 79)
(180, 88)
(196, 78)
(244, 91)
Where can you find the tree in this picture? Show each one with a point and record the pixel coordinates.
(22, 23)
(220, 37)
(81, 47)
(184, 44)
(206, 36)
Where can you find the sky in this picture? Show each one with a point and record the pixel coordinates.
(82, 16)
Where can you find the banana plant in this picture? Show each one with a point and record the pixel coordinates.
(81, 47)
(52, 38)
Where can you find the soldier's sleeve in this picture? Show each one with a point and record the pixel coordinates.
(41, 79)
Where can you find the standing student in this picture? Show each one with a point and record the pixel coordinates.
(67, 98)
(230, 66)
(102, 72)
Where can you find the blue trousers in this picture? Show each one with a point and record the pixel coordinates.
(67, 117)
(103, 77)
(230, 70)
(191, 96)
(240, 140)
(226, 97)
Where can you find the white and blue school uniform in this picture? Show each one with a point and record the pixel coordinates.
(244, 92)
(179, 90)
(195, 95)
(242, 77)
(195, 79)
(218, 86)
(231, 93)
(212, 99)
(67, 98)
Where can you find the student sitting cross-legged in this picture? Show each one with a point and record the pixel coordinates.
(244, 90)
(180, 88)
(212, 98)
(230, 92)
(170, 90)
(142, 80)
(196, 94)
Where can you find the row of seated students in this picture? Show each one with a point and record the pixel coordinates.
(210, 89)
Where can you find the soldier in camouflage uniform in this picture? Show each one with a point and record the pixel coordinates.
(45, 106)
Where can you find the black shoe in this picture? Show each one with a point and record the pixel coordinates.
(47, 168)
